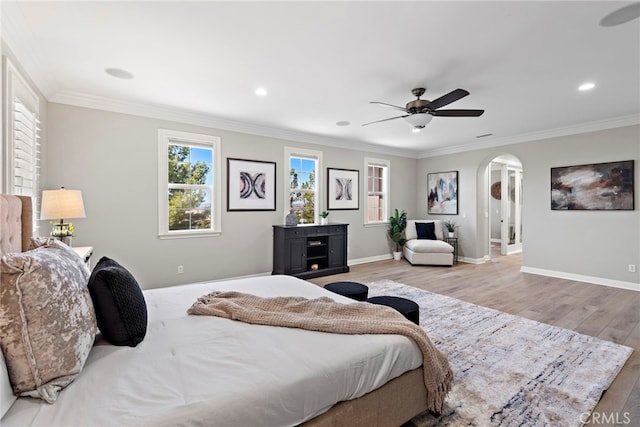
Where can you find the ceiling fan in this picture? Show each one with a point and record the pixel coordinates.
(418, 113)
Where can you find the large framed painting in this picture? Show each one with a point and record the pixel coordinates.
(594, 187)
(342, 189)
(442, 193)
(251, 185)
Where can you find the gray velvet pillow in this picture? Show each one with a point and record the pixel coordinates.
(47, 320)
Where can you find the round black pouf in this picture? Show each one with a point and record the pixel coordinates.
(353, 290)
(406, 307)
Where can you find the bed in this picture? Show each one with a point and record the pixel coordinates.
(202, 370)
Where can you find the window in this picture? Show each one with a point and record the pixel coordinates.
(22, 150)
(377, 187)
(189, 189)
(302, 183)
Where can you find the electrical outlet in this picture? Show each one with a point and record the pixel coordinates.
(632, 268)
(180, 269)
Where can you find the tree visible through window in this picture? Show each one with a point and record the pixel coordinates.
(302, 196)
(190, 179)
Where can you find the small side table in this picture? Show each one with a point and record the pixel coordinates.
(453, 241)
(85, 253)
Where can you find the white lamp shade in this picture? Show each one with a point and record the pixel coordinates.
(419, 120)
(61, 204)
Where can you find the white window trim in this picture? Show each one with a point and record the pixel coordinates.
(303, 152)
(165, 138)
(369, 161)
(15, 85)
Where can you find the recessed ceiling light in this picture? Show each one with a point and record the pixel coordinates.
(261, 91)
(343, 123)
(586, 86)
(119, 73)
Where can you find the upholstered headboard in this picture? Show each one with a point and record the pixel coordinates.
(16, 223)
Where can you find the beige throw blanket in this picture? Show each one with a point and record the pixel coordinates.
(325, 315)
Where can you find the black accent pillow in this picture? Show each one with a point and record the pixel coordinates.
(426, 230)
(121, 311)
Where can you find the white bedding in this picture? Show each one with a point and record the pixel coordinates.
(203, 370)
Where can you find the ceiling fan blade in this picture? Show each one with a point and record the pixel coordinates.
(457, 113)
(447, 99)
(386, 120)
(389, 105)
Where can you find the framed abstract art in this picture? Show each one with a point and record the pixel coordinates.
(342, 189)
(251, 185)
(442, 193)
(596, 187)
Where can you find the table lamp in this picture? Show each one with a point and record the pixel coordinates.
(60, 205)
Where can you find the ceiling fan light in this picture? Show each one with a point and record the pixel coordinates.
(418, 120)
(417, 129)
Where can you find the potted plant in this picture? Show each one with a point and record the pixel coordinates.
(450, 226)
(397, 224)
(323, 217)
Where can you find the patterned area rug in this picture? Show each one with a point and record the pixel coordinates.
(508, 370)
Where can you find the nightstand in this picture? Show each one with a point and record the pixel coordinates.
(85, 253)
(453, 241)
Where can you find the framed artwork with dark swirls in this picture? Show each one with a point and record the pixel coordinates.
(342, 189)
(251, 185)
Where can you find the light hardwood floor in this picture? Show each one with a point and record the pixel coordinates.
(600, 311)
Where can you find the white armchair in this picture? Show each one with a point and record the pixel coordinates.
(425, 244)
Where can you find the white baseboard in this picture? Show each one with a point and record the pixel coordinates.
(472, 260)
(581, 278)
(369, 259)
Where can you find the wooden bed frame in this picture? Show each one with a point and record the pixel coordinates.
(391, 405)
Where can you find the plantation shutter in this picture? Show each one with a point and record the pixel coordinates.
(23, 140)
(26, 151)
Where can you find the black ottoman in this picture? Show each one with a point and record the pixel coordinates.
(408, 308)
(353, 290)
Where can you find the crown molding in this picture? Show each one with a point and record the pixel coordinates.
(611, 123)
(199, 119)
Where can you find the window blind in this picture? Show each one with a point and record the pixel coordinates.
(26, 151)
(22, 150)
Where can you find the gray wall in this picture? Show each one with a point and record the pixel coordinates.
(595, 244)
(113, 159)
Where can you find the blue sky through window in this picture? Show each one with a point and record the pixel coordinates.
(203, 155)
(304, 168)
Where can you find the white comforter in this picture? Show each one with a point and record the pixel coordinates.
(203, 370)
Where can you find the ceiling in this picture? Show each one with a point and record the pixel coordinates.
(323, 62)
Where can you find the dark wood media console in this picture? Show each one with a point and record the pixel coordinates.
(307, 251)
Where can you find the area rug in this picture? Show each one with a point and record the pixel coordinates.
(508, 370)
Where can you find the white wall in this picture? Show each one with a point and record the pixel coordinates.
(112, 158)
(595, 246)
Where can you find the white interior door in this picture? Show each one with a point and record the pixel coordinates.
(511, 221)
